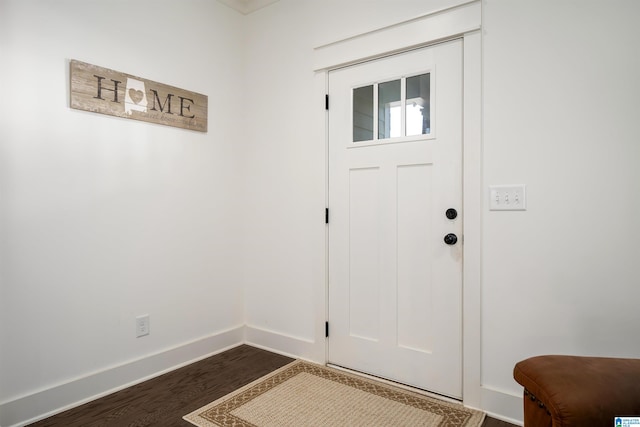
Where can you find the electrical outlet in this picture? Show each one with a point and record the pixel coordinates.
(142, 326)
(507, 198)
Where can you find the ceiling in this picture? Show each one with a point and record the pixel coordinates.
(247, 6)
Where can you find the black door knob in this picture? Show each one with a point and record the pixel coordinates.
(451, 213)
(450, 239)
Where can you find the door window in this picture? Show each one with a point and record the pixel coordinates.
(392, 109)
(418, 105)
(389, 110)
(363, 114)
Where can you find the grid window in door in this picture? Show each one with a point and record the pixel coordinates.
(392, 109)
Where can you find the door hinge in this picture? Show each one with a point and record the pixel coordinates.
(326, 329)
(326, 215)
(326, 102)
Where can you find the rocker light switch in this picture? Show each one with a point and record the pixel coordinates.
(507, 197)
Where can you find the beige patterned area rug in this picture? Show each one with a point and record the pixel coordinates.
(306, 394)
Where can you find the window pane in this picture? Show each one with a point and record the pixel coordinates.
(418, 107)
(363, 114)
(389, 110)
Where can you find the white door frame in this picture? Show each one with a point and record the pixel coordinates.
(462, 21)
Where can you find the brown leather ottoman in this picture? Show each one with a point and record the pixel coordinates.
(578, 391)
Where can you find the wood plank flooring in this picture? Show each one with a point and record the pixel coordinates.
(164, 400)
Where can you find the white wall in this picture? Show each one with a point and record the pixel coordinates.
(560, 106)
(104, 219)
(283, 171)
(559, 91)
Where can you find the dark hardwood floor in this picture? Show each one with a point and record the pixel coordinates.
(492, 422)
(164, 400)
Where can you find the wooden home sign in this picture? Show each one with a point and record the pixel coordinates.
(105, 91)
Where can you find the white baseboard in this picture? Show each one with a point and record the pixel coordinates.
(286, 345)
(27, 409)
(502, 405)
(33, 407)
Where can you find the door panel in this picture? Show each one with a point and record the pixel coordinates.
(395, 286)
(414, 267)
(364, 248)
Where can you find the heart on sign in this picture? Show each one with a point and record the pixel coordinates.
(136, 95)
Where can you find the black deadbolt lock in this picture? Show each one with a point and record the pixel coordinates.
(450, 239)
(451, 213)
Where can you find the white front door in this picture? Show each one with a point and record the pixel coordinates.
(395, 177)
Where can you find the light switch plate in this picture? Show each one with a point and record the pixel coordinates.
(507, 197)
